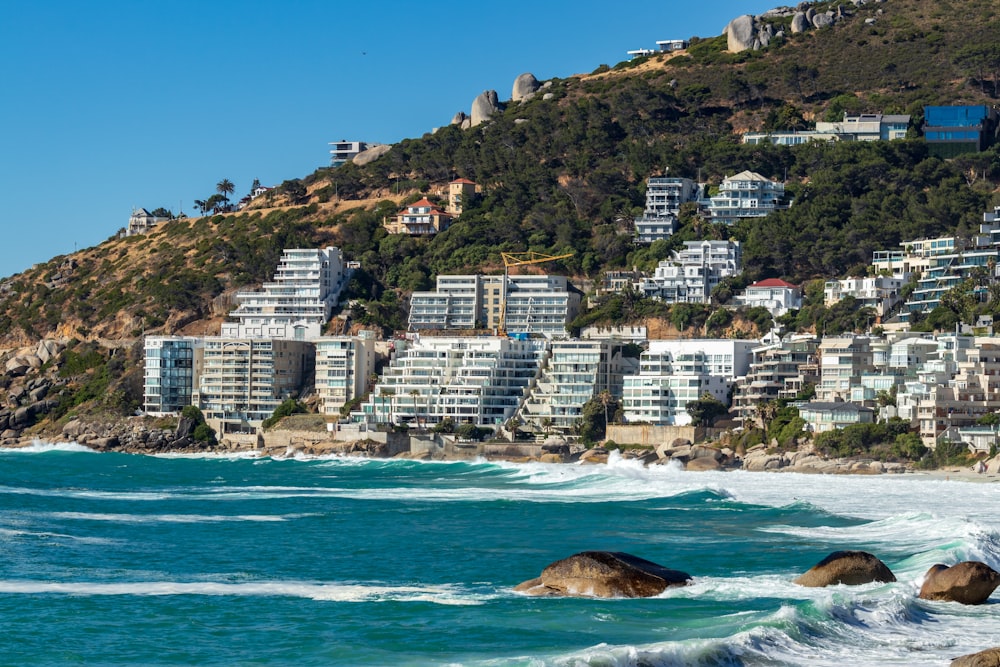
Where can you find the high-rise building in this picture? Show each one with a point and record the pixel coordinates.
(344, 365)
(664, 197)
(172, 368)
(691, 274)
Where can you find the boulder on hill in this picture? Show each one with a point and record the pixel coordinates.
(370, 155)
(988, 658)
(799, 23)
(459, 118)
(484, 107)
(524, 85)
(604, 574)
(851, 568)
(741, 33)
(968, 582)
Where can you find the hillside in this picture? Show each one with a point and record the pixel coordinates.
(566, 175)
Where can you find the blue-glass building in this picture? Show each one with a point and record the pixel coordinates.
(954, 130)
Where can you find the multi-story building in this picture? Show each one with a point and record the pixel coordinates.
(477, 380)
(778, 370)
(862, 127)
(777, 295)
(692, 273)
(574, 372)
(823, 416)
(880, 293)
(537, 304)
(843, 360)
(461, 191)
(141, 221)
(422, 218)
(300, 300)
(746, 195)
(344, 366)
(953, 130)
(673, 373)
(971, 394)
(664, 197)
(173, 364)
(243, 380)
(343, 151)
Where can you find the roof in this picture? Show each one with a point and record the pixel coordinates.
(747, 176)
(464, 180)
(425, 203)
(774, 282)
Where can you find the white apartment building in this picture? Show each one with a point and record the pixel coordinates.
(842, 360)
(673, 373)
(777, 370)
(535, 304)
(344, 365)
(575, 371)
(243, 380)
(867, 127)
(746, 195)
(664, 197)
(173, 364)
(477, 380)
(880, 293)
(343, 151)
(692, 273)
(296, 305)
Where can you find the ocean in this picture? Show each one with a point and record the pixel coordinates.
(114, 559)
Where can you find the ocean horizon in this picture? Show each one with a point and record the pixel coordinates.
(119, 559)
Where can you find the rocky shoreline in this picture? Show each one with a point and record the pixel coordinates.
(141, 436)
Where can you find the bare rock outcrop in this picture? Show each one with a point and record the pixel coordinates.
(799, 23)
(459, 118)
(741, 34)
(372, 154)
(851, 568)
(605, 574)
(988, 658)
(968, 582)
(524, 85)
(484, 107)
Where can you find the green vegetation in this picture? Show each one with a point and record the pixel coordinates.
(201, 432)
(289, 406)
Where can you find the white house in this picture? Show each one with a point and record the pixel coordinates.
(778, 296)
(746, 195)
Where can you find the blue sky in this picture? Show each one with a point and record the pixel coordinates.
(106, 106)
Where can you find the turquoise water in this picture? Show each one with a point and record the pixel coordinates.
(111, 559)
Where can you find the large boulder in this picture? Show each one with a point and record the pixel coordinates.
(968, 582)
(799, 23)
(459, 118)
(741, 34)
(18, 366)
(484, 106)
(524, 85)
(988, 658)
(702, 464)
(604, 574)
(851, 568)
(371, 154)
(47, 349)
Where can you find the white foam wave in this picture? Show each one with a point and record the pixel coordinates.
(10, 532)
(446, 595)
(40, 447)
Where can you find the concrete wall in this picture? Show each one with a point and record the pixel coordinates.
(652, 436)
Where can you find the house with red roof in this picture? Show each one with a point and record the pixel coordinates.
(778, 296)
(422, 218)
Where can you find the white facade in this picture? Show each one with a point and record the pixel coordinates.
(536, 304)
(746, 195)
(664, 197)
(777, 296)
(880, 293)
(343, 151)
(141, 221)
(297, 303)
(173, 364)
(575, 371)
(843, 360)
(344, 365)
(692, 274)
(867, 127)
(673, 373)
(477, 380)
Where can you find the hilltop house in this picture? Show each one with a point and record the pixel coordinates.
(778, 296)
(141, 221)
(746, 195)
(422, 218)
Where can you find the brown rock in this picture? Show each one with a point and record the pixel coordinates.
(604, 574)
(988, 658)
(968, 582)
(702, 464)
(851, 568)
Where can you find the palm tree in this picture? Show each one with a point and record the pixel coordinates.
(202, 206)
(605, 399)
(225, 188)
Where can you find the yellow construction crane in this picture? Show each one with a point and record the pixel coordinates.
(518, 259)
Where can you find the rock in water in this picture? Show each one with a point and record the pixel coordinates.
(851, 568)
(988, 658)
(524, 85)
(741, 34)
(968, 582)
(604, 574)
(484, 106)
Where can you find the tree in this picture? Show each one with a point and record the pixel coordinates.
(225, 188)
(705, 410)
(201, 205)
